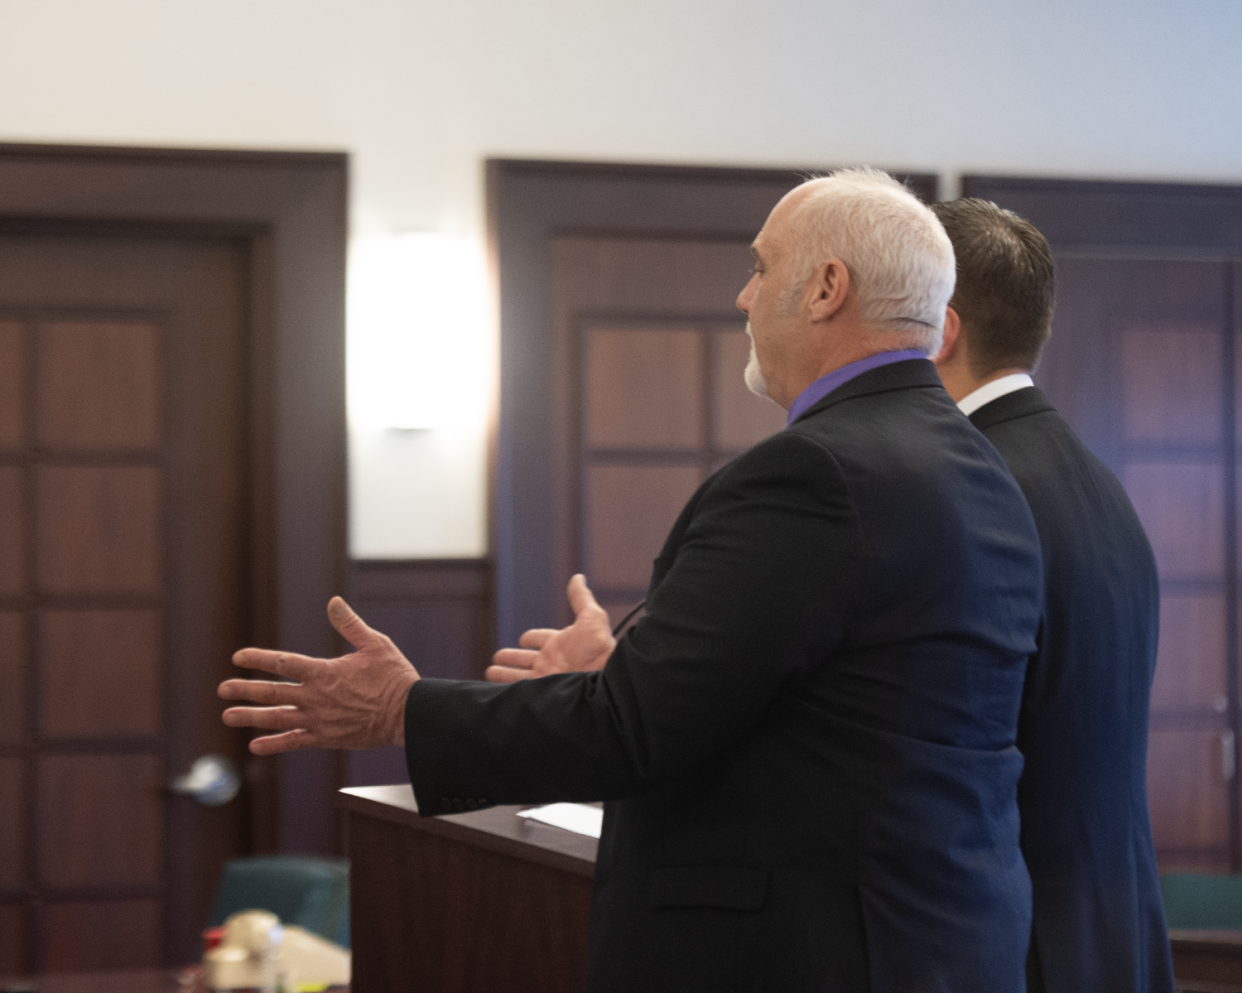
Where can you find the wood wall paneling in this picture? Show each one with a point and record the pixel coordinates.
(646, 394)
(119, 844)
(100, 386)
(101, 935)
(13, 947)
(1190, 669)
(100, 529)
(645, 388)
(12, 547)
(629, 511)
(1171, 384)
(1182, 508)
(14, 700)
(435, 610)
(1191, 822)
(461, 936)
(676, 408)
(1102, 297)
(12, 826)
(103, 673)
(673, 296)
(1143, 362)
(12, 383)
(439, 613)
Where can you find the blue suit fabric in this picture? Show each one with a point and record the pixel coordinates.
(1086, 832)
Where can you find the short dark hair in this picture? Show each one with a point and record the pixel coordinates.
(1006, 284)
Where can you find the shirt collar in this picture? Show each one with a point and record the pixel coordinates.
(826, 384)
(994, 390)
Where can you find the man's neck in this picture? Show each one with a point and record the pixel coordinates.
(845, 351)
(819, 389)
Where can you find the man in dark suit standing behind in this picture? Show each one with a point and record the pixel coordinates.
(807, 743)
(1086, 833)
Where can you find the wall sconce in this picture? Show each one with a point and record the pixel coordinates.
(419, 355)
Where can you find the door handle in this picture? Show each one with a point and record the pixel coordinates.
(1228, 755)
(212, 781)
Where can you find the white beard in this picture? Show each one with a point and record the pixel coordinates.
(755, 381)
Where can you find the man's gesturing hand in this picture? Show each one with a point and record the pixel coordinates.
(355, 701)
(584, 645)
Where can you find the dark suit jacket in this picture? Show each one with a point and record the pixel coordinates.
(1086, 835)
(808, 740)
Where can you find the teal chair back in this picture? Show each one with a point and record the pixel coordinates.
(1192, 900)
(310, 892)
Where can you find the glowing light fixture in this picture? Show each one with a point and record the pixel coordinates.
(419, 355)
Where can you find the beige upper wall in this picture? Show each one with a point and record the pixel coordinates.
(419, 93)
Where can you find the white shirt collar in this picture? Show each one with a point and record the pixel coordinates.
(993, 391)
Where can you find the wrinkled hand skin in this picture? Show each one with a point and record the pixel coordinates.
(355, 701)
(583, 646)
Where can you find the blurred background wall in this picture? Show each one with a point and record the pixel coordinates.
(420, 93)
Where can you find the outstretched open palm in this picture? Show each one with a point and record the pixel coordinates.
(583, 646)
(355, 701)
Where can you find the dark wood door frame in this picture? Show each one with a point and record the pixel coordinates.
(529, 204)
(290, 210)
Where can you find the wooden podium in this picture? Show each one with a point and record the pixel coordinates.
(484, 902)
(1207, 961)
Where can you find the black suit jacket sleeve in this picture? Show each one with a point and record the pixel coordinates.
(722, 635)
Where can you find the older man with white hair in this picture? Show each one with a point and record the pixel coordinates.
(807, 742)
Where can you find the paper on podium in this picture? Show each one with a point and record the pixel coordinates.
(581, 818)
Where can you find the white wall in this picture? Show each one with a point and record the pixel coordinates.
(420, 92)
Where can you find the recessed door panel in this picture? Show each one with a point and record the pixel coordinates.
(102, 673)
(1190, 668)
(1182, 509)
(1171, 383)
(644, 388)
(646, 370)
(100, 530)
(1189, 794)
(630, 510)
(120, 842)
(99, 386)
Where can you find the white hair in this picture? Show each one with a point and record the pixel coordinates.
(898, 255)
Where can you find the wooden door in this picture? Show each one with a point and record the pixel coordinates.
(1138, 365)
(650, 351)
(1142, 363)
(123, 566)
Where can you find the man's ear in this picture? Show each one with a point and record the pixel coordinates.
(829, 288)
(952, 332)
